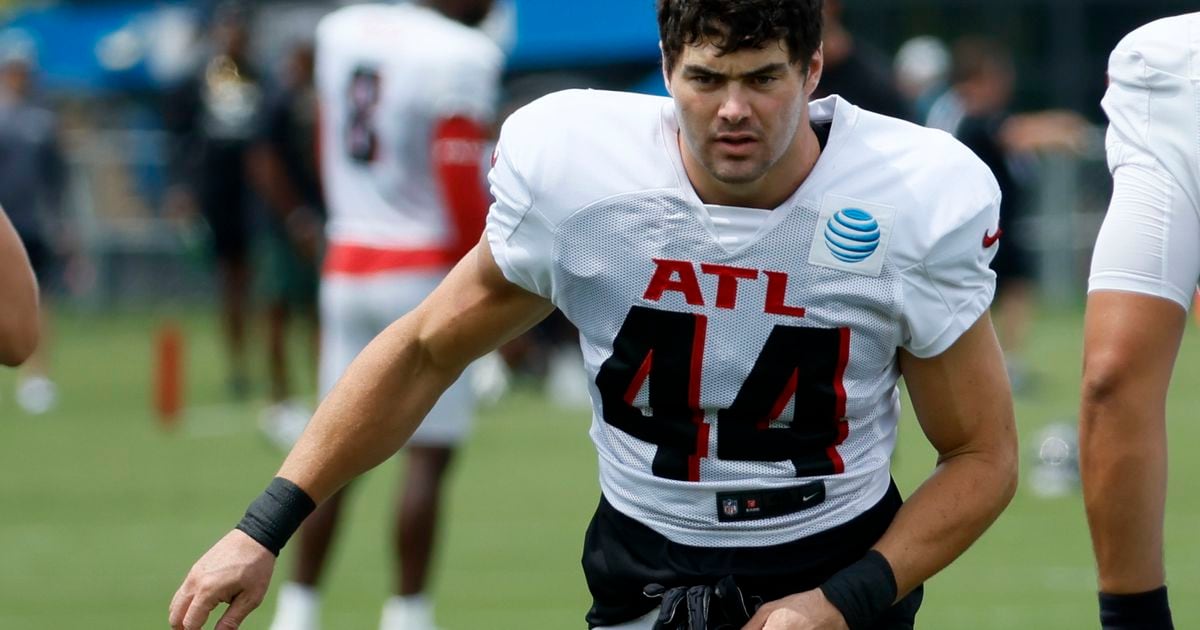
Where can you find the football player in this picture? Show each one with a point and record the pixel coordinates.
(212, 118)
(750, 275)
(1144, 272)
(283, 168)
(407, 94)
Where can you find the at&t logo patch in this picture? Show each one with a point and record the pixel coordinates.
(852, 235)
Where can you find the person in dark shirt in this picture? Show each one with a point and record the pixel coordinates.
(284, 170)
(976, 110)
(213, 118)
(32, 176)
(856, 71)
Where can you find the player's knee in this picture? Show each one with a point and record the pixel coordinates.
(1105, 377)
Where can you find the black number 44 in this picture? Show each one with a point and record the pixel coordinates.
(667, 348)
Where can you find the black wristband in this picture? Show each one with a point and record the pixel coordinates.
(862, 591)
(1136, 611)
(276, 514)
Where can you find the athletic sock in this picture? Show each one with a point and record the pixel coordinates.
(298, 608)
(407, 612)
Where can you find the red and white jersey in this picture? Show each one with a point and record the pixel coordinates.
(387, 75)
(1150, 241)
(720, 369)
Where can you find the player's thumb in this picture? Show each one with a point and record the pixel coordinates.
(239, 608)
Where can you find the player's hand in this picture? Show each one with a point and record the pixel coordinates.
(236, 571)
(806, 611)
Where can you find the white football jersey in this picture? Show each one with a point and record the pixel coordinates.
(386, 74)
(1150, 241)
(722, 370)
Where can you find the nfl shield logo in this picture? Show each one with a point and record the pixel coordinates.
(729, 507)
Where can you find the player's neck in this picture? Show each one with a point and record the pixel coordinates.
(767, 192)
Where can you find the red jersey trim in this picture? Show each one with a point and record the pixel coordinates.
(362, 260)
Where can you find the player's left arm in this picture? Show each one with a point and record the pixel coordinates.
(964, 405)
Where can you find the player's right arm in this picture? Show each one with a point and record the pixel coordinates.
(19, 294)
(368, 416)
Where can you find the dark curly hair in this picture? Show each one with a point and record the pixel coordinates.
(733, 25)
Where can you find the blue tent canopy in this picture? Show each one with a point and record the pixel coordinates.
(88, 47)
(93, 46)
(557, 33)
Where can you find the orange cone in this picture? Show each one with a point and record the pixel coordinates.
(168, 374)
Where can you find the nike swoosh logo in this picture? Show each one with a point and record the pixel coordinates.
(810, 497)
(990, 239)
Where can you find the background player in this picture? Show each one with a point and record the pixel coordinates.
(977, 111)
(407, 95)
(1144, 272)
(744, 321)
(213, 118)
(284, 168)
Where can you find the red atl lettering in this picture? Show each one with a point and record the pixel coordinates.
(680, 276)
(776, 293)
(727, 282)
(664, 281)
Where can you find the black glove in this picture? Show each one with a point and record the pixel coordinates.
(734, 609)
(671, 615)
(720, 607)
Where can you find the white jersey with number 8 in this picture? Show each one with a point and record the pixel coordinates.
(386, 75)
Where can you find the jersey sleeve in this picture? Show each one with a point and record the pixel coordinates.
(521, 238)
(947, 291)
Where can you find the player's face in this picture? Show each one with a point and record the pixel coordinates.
(739, 112)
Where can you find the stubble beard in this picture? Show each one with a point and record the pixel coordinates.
(739, 172)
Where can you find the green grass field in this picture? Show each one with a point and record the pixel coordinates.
(102, 512)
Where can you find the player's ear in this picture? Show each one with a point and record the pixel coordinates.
(815, 66)
(665, 72)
